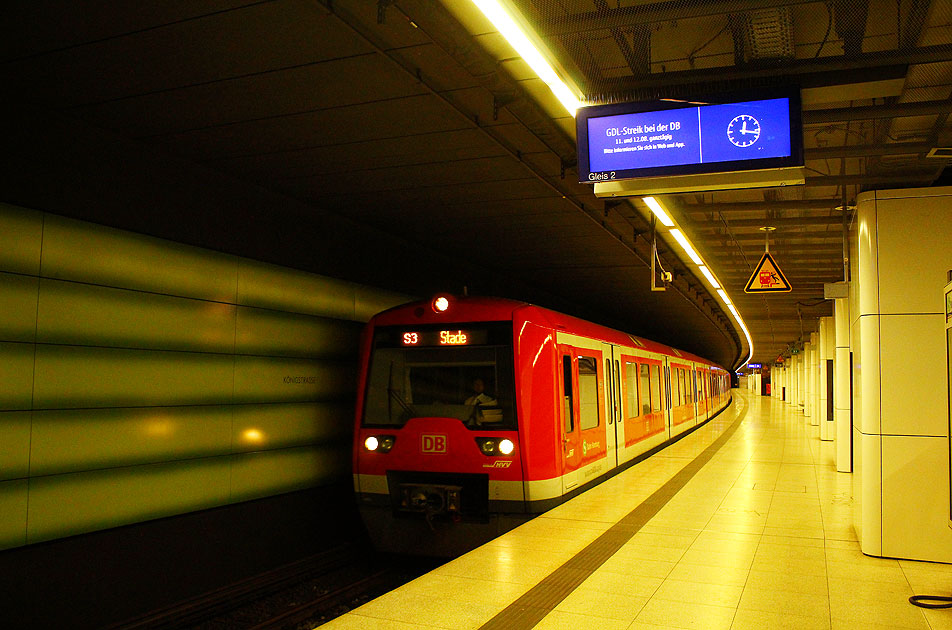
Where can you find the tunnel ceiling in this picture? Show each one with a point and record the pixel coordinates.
(414, 118)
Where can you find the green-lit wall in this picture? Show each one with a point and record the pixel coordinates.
(140, 378)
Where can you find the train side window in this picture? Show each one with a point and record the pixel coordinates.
(689, 386)
(568, 399)
(677, 396)
(588, 393)
(631, 390)
(645, 389)
(618, 388)
(655, 388)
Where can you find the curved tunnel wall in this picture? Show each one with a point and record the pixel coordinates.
(141, 378)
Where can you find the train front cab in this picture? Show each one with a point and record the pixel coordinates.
(438, 466)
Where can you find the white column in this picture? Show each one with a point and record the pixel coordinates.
(802, 381)
(785, 383)
(807, 381)
(797, 383)
(841, 385)
(814, 379)
(827, 346)
(791, 375)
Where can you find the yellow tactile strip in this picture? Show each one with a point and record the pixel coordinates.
(528, 610)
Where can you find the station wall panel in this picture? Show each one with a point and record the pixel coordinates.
(21, 235)
(277, 288)
(16, 374)
(143, 378)
(89, 315)
(283, 425)
(94, 254)
(14, 445)
(909, 267)
(908, 380)
(81, 377)
(263, 473)
(18, 297)
(915, 523)
(72, 440)
(62, 505)
(288, 379)
(13, 505)
(264, 331)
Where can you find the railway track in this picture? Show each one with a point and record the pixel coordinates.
(299, 595)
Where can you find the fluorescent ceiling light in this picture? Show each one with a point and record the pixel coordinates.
(501, 19)
(658, 211)
(686, 246)
(724, 297)
(710, 276)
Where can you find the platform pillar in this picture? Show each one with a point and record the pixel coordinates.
(841, 386)
(807, 380)
(827, 347)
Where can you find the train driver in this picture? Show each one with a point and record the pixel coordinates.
(480, 397)
(485, 409)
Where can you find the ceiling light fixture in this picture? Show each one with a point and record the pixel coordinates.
(686, 246)
(659, 212)
(710, 276)
(518, 39)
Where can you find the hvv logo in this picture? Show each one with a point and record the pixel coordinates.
(433, 444)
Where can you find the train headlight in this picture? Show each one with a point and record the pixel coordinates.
(440, 304)
(379, 443)
(487, 445)
(491, 446)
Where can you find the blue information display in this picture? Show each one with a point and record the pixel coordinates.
(741, 135)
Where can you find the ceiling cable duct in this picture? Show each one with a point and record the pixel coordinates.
(770, 72)
(870, 112)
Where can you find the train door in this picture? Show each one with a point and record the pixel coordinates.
(571, 443)
(612, 386)
(667, 394)
(701, 397)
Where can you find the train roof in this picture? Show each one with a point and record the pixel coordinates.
(480, 308)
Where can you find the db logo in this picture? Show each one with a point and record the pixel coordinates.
(434, 444)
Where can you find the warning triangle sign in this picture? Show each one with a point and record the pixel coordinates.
(767, 278)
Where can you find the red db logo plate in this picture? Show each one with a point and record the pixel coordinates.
(433, 444)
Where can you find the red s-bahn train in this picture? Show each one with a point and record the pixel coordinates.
(475, 414)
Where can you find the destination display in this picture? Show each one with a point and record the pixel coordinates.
(629, 141)
(444, 337)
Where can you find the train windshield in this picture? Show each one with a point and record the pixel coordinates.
(463, 372)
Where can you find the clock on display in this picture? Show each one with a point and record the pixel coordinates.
(743, 131)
